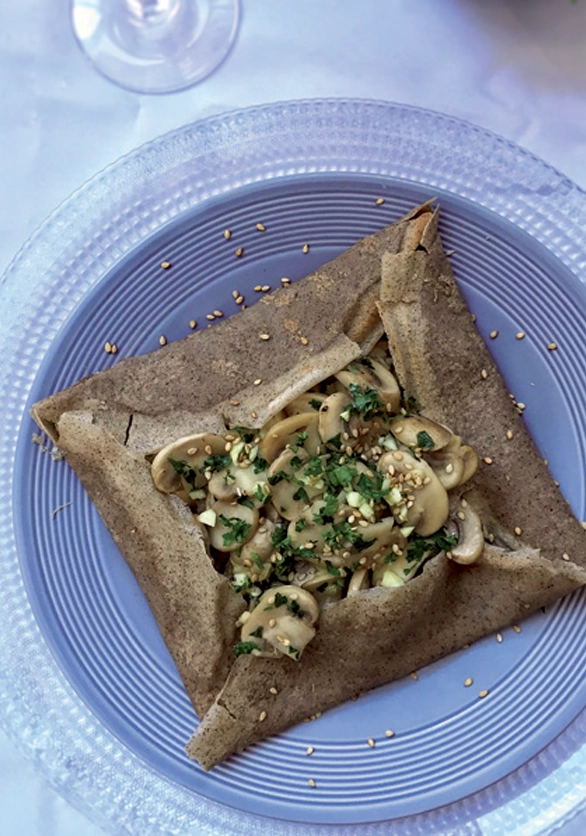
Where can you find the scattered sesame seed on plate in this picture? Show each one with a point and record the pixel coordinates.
(306, 248)
(210, 316)
(108, 348)
(468, 682)
(261, 227)
(162, 340)
(258, 288)
(494, 334)
(114, 348)
(371, 742)
(520, 335)
(165, 265)
(311, 783)
(499, 638)
(265, 288)
(552, 346)
(238, 251)
(227, 234)
(310, 750)
(484, 693)
(239, 300)
(379, 201)
(192, 323)
(414, 675)
(389, 733)
(516, 628)
(285, 280)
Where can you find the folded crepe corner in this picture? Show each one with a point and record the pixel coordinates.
(397, 282)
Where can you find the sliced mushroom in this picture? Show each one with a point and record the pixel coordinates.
(376, 538)
(466, 525)
(454, 466)
(282, 621)
(373, 374)
(360, 580)
(330, 422)
(254, 558)
(419, 431)
(283, 492)
(234, 525)
(307, 402)
(423, 500)
(287, 432)
(222, 485)
(304, 531)
(326, 588)
(191, 450)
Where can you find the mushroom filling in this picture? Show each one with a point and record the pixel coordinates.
(346, 490)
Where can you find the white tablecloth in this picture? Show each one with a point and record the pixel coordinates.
(517, 67)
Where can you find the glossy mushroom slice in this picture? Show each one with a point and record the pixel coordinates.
(230, 524)
(454, 465)
(417, 431)
(306, 402)
(466, 525)
(182, 463)
(373, 374)
(290, 487)
(283, 621)
(295, 431)
(416, 495)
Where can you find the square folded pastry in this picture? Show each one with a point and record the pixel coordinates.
(300, 549)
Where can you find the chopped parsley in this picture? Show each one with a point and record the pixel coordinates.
(238, 529)
(425, 441)
(242, 648)
(215, 463)
(258, 632)
(419, 546)
(185, 470)
(365, 401)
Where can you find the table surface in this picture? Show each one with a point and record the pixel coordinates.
(516, 68)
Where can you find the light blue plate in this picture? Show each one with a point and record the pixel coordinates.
(92, 694)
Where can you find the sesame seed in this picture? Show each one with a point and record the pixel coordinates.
(310, 750)
(272, 622)
(304, 341)
(265, 288)
(114, 348)
(371, 742)
(509, 434)
(218, 314)
(494, 334)
(312, 783)
(227, 234)
(583, 524)
(254, 414)
(518, 531)
(461, 515)
(262, 716)
(208, 449)
(468, 682)
(389, 733)
(210, 316)
(261, 227)
(108, 348)
(273, 690)
(192, 323)
(520, 335)
(257, 288)
(258, 381)
(165, 265)
(238, 252)
(483, 693)
(484, 374)
(379, 201)
(499, 638)
(234, 402)
(473, 317)
(414, 676)
(162, 340)
(264, 337)
(565, 556)
(235, 294)
(552, 346)
(520, 407)
(487, 460)
(239, 300)
(516, 628)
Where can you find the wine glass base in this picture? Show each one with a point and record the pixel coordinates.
(155, 46)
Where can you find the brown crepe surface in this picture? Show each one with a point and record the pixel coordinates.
(398, 280)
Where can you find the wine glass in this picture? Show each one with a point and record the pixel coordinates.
(155, 46)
